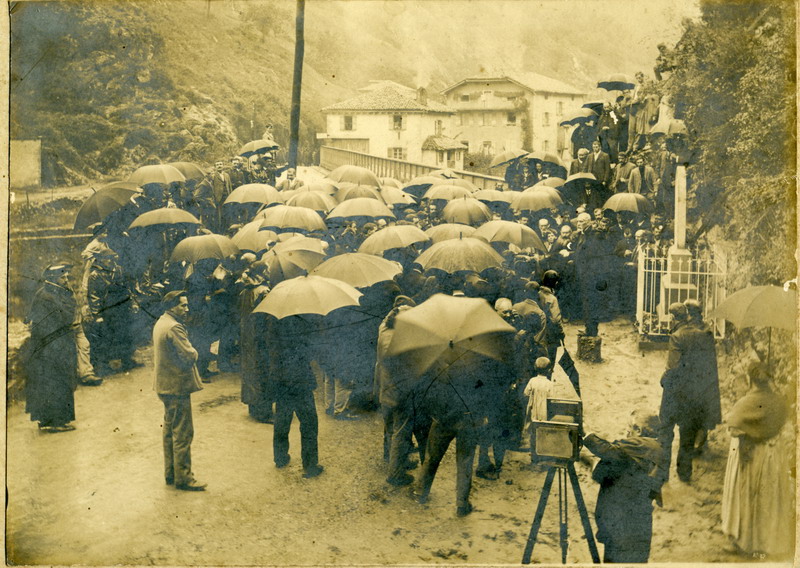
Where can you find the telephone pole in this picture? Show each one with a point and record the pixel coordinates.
(299, 47)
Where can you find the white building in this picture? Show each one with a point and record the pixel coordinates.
(394, 122)
(501, 113)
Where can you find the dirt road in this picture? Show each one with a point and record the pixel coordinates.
(97, 495)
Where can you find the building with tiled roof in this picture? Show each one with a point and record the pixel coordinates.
(389, 120)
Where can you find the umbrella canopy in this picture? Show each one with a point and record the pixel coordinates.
(192, 249)
(361, 207)
(459, 182)
(616, 82)
(396, 236)
(466, 210)
(455, 255)
(301, 242)
(553, 181)
(445, 328)
(537, 199)
(760, 306)
(354, 174)
(545, 158)
(579, 116)
(444, 173)
(255, 193)
(447, 231)
(358, 269)
(252, 238)
(258, 147)
(672, 127)
(292, 218)
(493, 196)
(349, 190)
(634, 202)
(573, 186)
(446, 192)
(308, 295)
(418, 185)
(509, 232)
(103, 202)
(189, 170)
(506, 157)
(157, 173)
(596, 106)
(391, 182)
(165, 216)
(286, 264)
(394, 196)
(316, 200)
(321, 185)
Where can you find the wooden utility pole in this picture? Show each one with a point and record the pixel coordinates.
(297, 81)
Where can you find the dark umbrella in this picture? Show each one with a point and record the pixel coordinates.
(456, 255)
(258, 147)
(192, 249)
(579, 116)
(616, 82)
(596, 106)
(354, 174)
(103, 202)
(165, 216)
(189, 170)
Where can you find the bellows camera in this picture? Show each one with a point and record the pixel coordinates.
(559, 437)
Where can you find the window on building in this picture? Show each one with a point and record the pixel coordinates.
(546, 119)
(464, 98)
(511, 119)
(439, 157)
(560, 108)
(486, 148)
(545, 145)
(397, 122)
(487, 94)
(438, 128)
(398, 153)
(348, 123)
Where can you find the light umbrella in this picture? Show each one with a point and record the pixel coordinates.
(394, 196)
(553, 181)
(103, 202)
(192, 249)
(634, 202)
(254, 193)
(349, 190)
(446, 192)
(578, 116)
(308, 295)
(286, 264)
(447, 231)
(493, 196)
(316, 200)
(301, 242)
(444, 173)
(358, 269)
(466, 210)
(165, 216)
(321, 185)
(506, 157)
(616, 82)
(391, 182)
(288, 217)
(459, 182)
(361, 207)
(157, 173)
(456, 255)
(354, 174)
(509, 232)
(445, 329)
(251, 237)
(258, 147)
(189, 170)
(396, 236)
(418, 185)
(538, 199)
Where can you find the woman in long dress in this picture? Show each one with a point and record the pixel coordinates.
(757, 500)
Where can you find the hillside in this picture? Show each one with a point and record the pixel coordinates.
(110, 85)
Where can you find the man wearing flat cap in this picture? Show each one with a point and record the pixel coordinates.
(176, 378)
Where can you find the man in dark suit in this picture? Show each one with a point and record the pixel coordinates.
(581, 163)
(600, 164)
(176, 378)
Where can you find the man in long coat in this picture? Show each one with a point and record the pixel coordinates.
(176, 378)
(691, 398)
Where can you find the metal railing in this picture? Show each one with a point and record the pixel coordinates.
(661, 281)
(331, 158)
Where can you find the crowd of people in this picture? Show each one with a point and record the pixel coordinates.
(131, 293)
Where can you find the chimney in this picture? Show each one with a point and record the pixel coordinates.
(422, 96)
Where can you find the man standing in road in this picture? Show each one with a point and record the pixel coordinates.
(176, 378)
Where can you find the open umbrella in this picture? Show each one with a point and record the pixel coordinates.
(165, 216)
(578, 116)
(466, 210)
(444, 329)
(316, 200)
(301, 242)
(537, 199)
(493, 196)
(444, 173)
(455, 255)
(394, 196)
(254, 193)
(396, 236)
(349, 190)
(354, 174)
(252, 238)
(446, 192)
(103, 202)
(634, 202)
(286, 264)
(321, 185)
(553, 181)
(459, 182)
(447, 231)
(258, 147)
(288, 217)
(672, 127)
(509, 232)
(506, 157)
(361, 207)
(616, 82)
(391, 182)
(358, 269)
(596, 106)
(189, 170)
(157, 173)
(192, 249)
(545, 158)
(308, 295)
(418, 185)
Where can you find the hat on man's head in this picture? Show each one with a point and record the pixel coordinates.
(56, 268)
(170, 297)
(678, 310)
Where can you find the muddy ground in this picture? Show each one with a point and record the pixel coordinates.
(97, 496)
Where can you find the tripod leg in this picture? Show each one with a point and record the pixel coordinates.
(537, 518)
(563, 494)
(584, 514)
